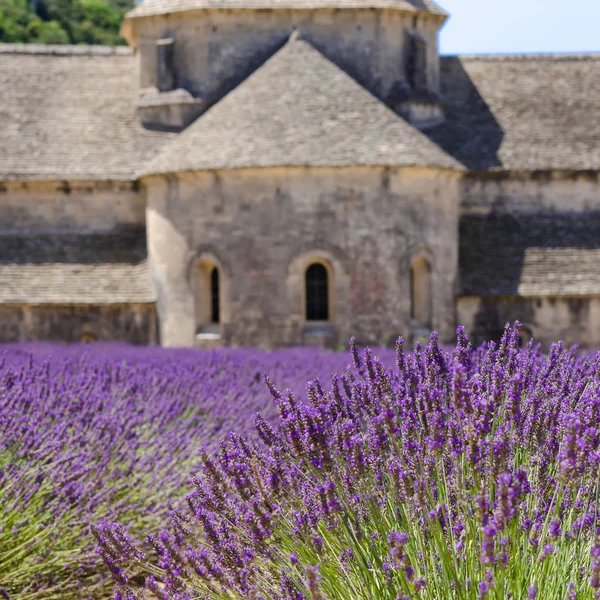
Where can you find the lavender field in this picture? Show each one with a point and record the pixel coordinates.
(435, 473)
(111, 433)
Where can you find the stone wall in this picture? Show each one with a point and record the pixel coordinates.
(573, 320)
(135, 324)
(530, 192)
(216, 50)
(263, 227)
(81, 206)
(532, 195)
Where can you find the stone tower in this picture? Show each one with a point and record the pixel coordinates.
(300, 203)
(193, 52)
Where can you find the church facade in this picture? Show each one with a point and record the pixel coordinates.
(284, 172)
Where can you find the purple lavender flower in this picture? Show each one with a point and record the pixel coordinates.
(394, 476)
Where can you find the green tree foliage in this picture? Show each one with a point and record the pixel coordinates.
(62, 21)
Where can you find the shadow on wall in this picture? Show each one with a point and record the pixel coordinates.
(500, 252)
(513, 261)
(494, 313)
(232, 77)
(470, 132)
(124, 245)
(547, 320)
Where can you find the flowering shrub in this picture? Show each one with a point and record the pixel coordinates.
(463, 474)
(108, 432)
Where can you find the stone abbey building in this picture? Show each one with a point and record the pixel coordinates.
(276, 172)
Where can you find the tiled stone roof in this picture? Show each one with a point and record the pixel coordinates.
(158, 7)
(530, 254)
(522, 113)
(68, 113)
(298, 109)
(74, 269)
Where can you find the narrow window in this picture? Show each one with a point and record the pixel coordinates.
(412, 293)
(214, 296)
(165, 65)
(317, 293)
(420, 292)
(416, 67)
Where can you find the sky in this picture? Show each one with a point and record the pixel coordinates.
(508, 26)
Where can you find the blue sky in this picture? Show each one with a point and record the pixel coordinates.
(484, 26)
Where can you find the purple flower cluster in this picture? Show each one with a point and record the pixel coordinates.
(109, 433)
(457, 474)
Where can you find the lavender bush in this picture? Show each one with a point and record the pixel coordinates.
(108, 432)
(463, 474)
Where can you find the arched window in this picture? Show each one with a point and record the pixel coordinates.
(88, 337)
(214, 296)
(317, 293)
(208, 290)
(420, 292)
(525, 336)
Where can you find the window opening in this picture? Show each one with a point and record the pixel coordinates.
(317, 293)
(420, 292)
(214, 296)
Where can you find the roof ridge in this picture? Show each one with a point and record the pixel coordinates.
(528, 56)
(152, 7)
(65, 50)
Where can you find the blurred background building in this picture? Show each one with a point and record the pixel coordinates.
(278, 172)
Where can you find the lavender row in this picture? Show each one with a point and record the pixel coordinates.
(466, 474)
